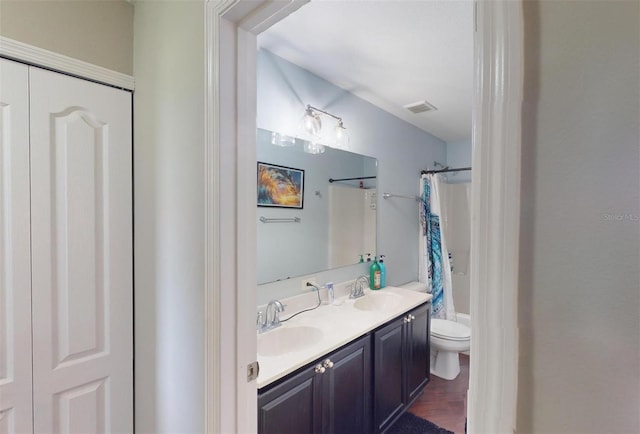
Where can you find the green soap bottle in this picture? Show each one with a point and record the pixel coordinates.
(375, 275)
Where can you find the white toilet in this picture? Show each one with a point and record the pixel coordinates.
(448, 339)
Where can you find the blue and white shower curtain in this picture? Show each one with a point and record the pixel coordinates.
(434, 268)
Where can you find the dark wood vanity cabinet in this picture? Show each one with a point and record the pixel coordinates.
(401, 365)
(389, 360)
(332, 395)
(293, 406)
(362, 387)
(347, 387)
(417, 350)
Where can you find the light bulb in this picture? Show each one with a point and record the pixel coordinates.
(283, 140)
(313, 148)
(311, 124)
(342, 138)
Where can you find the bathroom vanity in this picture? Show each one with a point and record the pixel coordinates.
(368, 360)
(332, 394)
(401, 360)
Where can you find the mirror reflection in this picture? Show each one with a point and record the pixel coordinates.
(316, 207)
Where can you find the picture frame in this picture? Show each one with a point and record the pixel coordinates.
(280, 186)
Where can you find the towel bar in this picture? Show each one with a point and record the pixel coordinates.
(264, 219)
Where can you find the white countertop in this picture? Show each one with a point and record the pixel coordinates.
(339, 325)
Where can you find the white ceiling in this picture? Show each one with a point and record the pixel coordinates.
(390, 53)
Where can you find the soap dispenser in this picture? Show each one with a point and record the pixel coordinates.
(383, 272)
(374, 274)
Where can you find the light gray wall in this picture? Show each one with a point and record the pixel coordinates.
(402, 150)
(579, 314)
(169, 216)
(96, 31)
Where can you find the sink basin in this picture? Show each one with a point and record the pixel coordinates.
(381, 301)
(287, 339)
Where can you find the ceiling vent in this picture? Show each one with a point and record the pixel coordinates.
(420, 107)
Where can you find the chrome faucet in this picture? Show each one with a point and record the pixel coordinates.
(271, 316)
(357, 290)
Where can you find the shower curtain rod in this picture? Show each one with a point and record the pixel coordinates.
(351, 179)
(459, 169)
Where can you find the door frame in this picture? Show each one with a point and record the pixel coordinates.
(495, 215)
(230, 239)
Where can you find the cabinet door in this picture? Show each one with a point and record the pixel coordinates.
(418, 363)
(389, 393)
(292, 407)
(347, 389)
(81, 209)
(15, 262)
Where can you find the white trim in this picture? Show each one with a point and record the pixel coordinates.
(215, 346)
(58, 62)
(246, 238)
(230, 239)
(495, 216)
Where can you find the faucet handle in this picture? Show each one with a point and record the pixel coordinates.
(259, 320)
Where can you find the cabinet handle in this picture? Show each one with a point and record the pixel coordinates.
(412, 317)
(319, 369)
(406, 319)
(327, 363)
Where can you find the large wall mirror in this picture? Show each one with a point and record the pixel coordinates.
(330, 225)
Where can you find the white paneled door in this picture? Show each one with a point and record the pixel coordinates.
(15, 262)
(77, 304)
(81, 206)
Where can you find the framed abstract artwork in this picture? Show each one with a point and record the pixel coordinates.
(280, 186)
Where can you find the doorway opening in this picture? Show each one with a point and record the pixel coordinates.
(492, 391)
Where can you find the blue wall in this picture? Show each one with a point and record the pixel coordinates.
(402, 150)
(459, 155)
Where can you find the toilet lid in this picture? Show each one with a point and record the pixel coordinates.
(451, 330)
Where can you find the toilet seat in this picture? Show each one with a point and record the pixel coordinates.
(450, 330)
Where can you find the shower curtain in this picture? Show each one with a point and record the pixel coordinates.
(434, 268)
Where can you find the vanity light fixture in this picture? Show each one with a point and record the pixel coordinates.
(311, 128)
